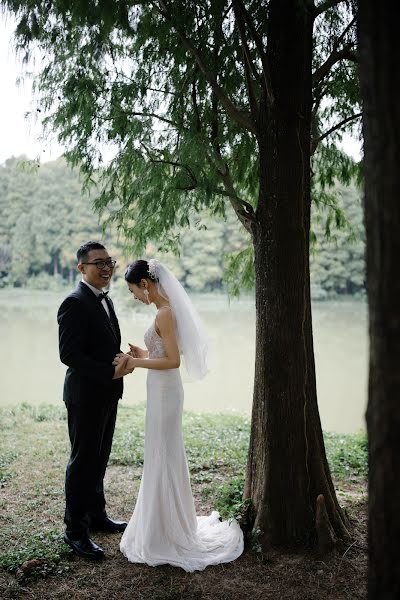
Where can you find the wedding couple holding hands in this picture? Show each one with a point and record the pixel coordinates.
(164, 528)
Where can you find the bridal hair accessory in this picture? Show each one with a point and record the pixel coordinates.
(191, 336)
(152, 268)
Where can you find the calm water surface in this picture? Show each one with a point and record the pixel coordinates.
(31, 370)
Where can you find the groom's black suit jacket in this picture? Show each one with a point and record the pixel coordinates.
(88, 343)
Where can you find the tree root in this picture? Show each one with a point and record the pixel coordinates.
(326, 536)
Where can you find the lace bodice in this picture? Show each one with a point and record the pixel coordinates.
(154, 343)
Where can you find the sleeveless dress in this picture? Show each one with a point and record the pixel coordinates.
(164, 528)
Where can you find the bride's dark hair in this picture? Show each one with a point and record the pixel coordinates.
(137, 271)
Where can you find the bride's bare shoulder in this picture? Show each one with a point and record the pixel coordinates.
(164, 316)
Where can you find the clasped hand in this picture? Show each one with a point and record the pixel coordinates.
(126, 362)
(122, 365)
(126, 359)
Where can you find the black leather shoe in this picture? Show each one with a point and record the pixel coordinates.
(85, 547)
(108, 525)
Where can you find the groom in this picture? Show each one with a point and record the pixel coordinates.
(89, 338)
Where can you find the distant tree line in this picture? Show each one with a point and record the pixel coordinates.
(45, 217)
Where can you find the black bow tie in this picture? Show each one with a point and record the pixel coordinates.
(101, 296)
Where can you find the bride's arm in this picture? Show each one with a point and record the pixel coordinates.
(172, 360)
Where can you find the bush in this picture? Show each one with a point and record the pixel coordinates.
(44, 281)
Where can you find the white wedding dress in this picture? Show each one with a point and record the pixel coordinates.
(164, 527)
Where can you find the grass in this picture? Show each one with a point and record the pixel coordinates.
(46, 546)
(347, 455)
(33, 455)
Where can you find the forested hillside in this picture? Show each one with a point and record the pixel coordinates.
(45, 217)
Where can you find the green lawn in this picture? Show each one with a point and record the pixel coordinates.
(33, 454)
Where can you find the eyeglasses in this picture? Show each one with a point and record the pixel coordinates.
(101, 264)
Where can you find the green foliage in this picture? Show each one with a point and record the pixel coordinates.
(57, 218)
(137, 82)
(10, 416)
(229, 498)
(215, 253)
(5, 462)
(212, 442)
(347, 455)
(45, 281)
(46, 219)
(47, 546)
(128, 444)
(337, 260)
(215, 442)
(239, 271)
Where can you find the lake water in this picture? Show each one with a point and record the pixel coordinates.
(31, 370)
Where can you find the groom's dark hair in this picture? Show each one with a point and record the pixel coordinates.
(84, 250)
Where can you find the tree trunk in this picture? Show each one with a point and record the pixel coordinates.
(287, 467)
(380, 86)
(55, 265)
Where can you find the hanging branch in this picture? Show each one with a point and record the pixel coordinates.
(341, 37)
(324, 135)
(174, 164)
(248, 64)
(155, 116)
(345, 53)
(240, 117)
(195, 105)
(243, 209)
(260, 48)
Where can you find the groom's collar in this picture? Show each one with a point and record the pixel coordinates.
(91, 287)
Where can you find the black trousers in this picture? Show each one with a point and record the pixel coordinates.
(91, 429)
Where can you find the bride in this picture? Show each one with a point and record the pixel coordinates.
(164, 527)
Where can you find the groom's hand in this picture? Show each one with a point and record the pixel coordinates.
(120, 363)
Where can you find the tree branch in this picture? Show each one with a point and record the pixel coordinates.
(231, 109)
(319, 139)
(243, 209)
(155, 116)
(248, 64)
(326, 5)
(195, 106)
(164, 92)
(172, 163)
(341, 37)
(336, 56)
(260, 48)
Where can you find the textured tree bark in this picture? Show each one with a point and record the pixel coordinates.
(380, 86)
(287, 467)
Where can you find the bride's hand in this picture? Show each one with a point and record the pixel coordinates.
(137, 352)
(124, 358)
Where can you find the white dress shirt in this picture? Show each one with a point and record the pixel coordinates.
(97, 293)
